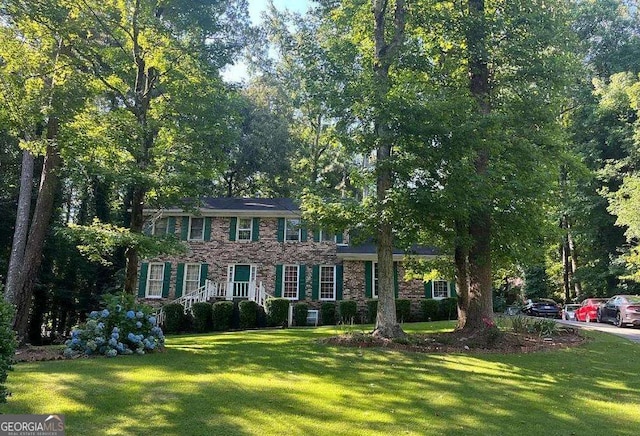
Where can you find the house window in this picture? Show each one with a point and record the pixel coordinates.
(154, 280)
(160, 227)
(374, 291)
(244, 229)
(290, 282)
(327, 282)
(196, 229)
(292, 230)
(326, 236)
(191, 277)
(440, 289)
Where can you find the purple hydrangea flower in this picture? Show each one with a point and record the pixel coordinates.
(139, 315)
(105, 313)
(139, 324)
(131, 314)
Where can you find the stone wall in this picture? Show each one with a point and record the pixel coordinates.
(267, 252)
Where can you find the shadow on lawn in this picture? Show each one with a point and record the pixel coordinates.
(284, 382)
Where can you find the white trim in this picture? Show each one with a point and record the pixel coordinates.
(191, 218)
(279, 213)
(433, 294)
(184, 277)
(322, 233)
(335, 287)
(146, 287)
(286, 220)
(153, 226)
(238, 229)
(374, 280)
(284, 281)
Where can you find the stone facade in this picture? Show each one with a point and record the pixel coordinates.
(219, 252)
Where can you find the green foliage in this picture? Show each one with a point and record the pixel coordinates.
(328, 313)
(122, 327)
(222, 313)
(348, 311)
(537, 282)
(174, 317)
(202, 317)
(99, 241)
(248, 312)
(539, 326)
(448, 309)
(403, 310)
(300, 311)
(8, 344)
(430, 309)
(277, 311)
(372, 311)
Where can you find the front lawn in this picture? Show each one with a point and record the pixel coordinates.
(284, 382)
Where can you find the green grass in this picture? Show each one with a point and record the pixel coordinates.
(283, 382)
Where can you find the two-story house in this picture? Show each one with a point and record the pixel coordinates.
(254, 248)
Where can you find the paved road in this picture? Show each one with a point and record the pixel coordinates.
(631, 333)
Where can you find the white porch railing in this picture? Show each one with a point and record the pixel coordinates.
(211, 290)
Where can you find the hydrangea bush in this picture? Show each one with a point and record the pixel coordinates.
(122, 327)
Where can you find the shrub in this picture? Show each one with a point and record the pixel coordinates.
(222, 312)
(261, 317)
(429, 308)
(202, 317)
(174, 318)
(348, 309)
(328, 313)
(403, 310)
(448, 308)
(545, 327)
(300, 312)
(8, 344)
(122, 327)
(277, 311)
(372, 311)
(248, 314)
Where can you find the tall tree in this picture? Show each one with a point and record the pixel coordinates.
(156, 66)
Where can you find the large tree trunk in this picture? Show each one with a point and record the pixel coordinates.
(146, 81)
(16, 260)
(385, 53)
(39, 227)
(477, 305)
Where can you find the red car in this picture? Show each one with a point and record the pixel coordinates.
(588, 310)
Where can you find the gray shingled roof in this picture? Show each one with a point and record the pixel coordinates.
(370, 248)
(250, 204)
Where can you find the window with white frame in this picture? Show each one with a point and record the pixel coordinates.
(155, 278)
(440, 289)
(244, 229)
(327, 282)
(196, 229)
(326, 236)
(374, 281)
(191, 277)
(160, 227)
(290, 282)
(292, 229)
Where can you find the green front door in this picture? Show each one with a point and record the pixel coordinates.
(242, 273)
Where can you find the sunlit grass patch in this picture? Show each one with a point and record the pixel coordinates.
(287, 382)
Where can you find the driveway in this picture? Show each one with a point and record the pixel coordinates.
(631, 333)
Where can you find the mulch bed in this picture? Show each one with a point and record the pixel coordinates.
(461, 342)
(30, 353)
